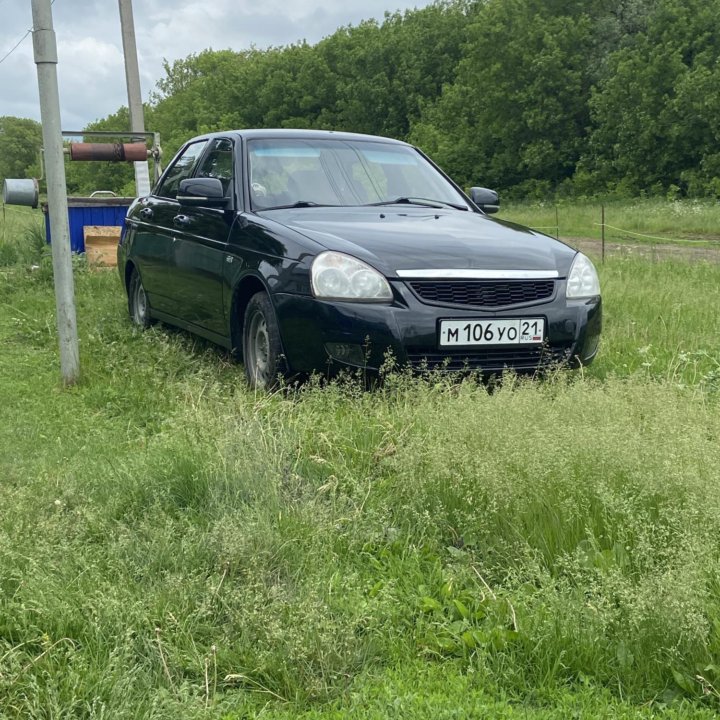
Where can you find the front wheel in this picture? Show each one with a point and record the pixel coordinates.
(138, 305)
(262, 350)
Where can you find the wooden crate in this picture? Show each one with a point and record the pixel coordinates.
(101, 243)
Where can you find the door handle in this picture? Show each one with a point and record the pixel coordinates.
(181, 221)
(146, 213)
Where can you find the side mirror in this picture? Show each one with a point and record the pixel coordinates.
(486, 200)
(202, 192)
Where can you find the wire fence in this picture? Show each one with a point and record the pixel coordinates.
(712, 243)
(655, 237)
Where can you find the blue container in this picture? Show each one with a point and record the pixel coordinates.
(84, 211)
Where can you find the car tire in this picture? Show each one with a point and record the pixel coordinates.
(262, 349)
(138, 305)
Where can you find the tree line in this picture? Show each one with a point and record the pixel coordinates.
(535, 98)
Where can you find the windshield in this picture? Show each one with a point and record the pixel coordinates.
(303, 173)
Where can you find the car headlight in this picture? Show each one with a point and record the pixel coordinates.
(582, 279)
(338, 276)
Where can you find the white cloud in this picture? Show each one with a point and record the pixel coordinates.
(88, 70)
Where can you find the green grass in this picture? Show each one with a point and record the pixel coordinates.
(22, 235)
(661, 321)
(173, 545)
(646, 221)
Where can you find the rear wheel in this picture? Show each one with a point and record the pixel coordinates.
(138, 305)
(262, 350)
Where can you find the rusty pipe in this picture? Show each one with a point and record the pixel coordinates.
(112, 152)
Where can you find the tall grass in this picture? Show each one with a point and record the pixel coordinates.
(661, 321)
(22, 235)
(173, 545)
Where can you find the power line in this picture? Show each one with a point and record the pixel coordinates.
(17, 44)
(15, 47)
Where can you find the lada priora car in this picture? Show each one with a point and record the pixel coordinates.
(312, 251)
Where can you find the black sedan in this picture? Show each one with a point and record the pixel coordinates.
(311, 251)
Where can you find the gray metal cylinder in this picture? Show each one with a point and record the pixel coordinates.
(21, 192)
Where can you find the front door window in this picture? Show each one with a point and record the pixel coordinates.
(180, 169)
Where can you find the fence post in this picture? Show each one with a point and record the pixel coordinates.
(557, 223)
(602, 226)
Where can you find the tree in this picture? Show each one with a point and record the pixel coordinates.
(515, 116)
(370, 78)
(528, 96)
(656, 111)
(20, 143)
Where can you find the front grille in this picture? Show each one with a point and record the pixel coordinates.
(482, 293)
(491, 359)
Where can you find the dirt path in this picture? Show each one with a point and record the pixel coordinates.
(664, 251)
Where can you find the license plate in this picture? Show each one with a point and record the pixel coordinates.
(513, 331)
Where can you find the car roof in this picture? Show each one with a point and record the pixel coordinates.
(296, 134)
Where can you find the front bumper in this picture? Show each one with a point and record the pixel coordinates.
(317, 334)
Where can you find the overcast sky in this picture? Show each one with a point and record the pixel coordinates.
(90, 62)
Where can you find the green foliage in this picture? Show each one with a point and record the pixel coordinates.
(516, 112)
(199, 94)
(20, 143)
(655, 111)
(370, 78)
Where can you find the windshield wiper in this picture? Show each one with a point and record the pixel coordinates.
(424, 202)
(298, 204)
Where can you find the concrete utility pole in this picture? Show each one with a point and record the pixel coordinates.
(132, 77)
(45, 52)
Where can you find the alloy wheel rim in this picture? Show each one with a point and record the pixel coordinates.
(261, 349)
(140, 304)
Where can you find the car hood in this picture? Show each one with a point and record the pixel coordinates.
(412, 238)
